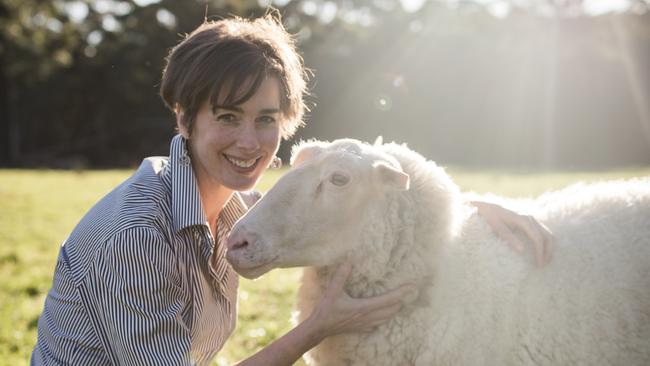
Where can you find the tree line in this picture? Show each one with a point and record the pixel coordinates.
(541, 85)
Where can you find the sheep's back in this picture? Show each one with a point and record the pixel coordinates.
(590, 305)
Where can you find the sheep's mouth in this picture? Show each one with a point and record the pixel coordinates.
(250, 270)
(254, 272)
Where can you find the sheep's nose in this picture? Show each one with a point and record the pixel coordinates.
(238, 245)
(237, 240)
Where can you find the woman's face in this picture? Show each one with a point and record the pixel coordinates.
(232, 145)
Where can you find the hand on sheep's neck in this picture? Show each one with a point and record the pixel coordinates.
(382, 257)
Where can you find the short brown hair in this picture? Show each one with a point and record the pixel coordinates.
(227, 54)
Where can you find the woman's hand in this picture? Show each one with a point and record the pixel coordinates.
(339, 313)
(504, 222)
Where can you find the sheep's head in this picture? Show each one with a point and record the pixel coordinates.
(310, 217)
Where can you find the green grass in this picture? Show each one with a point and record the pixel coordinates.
(38, 209)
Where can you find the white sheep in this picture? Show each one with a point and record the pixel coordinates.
(479, 302)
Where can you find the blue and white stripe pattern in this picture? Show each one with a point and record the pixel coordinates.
(133, 284)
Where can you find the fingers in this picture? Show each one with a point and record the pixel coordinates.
(499, 219)
(548, 238)
(380, 316)
(384, 314)
(337, 282)
(550, 246)
(531, 228)
(389, 299)
(504, 222)
(542, 238)
(505, 233)
(337, 312)
(549, 242)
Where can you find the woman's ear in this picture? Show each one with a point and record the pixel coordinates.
(180, 123)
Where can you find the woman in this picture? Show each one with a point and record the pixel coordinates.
(143, 278)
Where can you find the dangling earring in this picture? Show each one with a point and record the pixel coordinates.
(184, 159)
(276, 163)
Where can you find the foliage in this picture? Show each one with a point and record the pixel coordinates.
(39, 208)
(78, 78)
(91, 67)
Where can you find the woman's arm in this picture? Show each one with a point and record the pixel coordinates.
(133, 301)
(504, 222)
(336, 313)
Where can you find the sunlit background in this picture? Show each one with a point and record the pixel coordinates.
(516, 97)
(523, 84)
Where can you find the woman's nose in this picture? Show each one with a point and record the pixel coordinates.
(248, 139)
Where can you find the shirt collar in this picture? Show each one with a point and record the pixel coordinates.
(234, 209)
(187, 209)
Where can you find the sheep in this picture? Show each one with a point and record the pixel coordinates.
(400, 219)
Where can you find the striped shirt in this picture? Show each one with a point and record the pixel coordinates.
(140, 280)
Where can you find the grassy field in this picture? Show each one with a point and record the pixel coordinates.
(39, 208)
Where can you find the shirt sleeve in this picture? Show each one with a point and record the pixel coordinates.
(136, 302)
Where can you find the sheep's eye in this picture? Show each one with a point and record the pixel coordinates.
(339, 179)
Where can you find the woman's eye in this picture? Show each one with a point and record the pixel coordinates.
(227, 118)
(267, 120)
(339, 179)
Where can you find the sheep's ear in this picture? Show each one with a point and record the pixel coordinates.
(392, 176)
(302, 153)
(378, 141)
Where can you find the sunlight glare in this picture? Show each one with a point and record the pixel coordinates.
(94, 38)
(309, 8)
(76, 10)
(54, 25)
(499, 9)
(411, 6)
(110, 24)
(600, 7)
(327, 12)
(166, 18)
(143, 3)
(383, 102)
(633, 77)
(256, 333)
(118, 8)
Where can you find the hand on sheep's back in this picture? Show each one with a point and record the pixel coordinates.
(338, 313)
(504, 222)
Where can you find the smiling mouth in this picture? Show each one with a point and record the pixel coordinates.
(242, 164)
